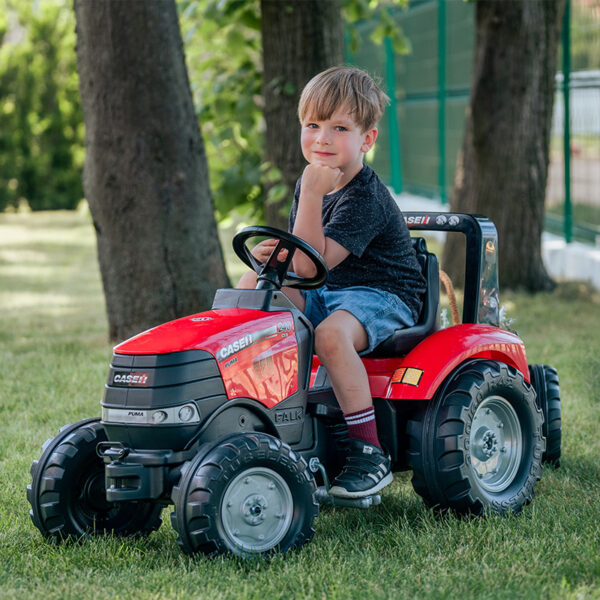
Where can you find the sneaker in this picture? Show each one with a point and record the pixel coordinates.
(367, 471)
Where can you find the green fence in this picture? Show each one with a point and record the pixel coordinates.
(418, 147)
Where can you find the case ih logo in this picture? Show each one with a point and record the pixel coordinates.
(248, 340)
(418, 220)
(125, 378)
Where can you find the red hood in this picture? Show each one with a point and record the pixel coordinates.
(256, 351)
(203, 331)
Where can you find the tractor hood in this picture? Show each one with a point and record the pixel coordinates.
(256, 352)
(223, 333)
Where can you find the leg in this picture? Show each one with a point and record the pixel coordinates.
(247, 281)
(338, 339)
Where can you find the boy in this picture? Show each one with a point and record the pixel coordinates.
(342, 209)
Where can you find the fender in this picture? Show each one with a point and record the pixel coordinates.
(425, 367)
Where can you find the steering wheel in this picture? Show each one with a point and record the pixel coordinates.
(273, 274)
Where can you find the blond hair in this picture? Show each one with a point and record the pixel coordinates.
(343, 87)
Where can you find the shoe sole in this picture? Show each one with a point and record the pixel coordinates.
(341, 492)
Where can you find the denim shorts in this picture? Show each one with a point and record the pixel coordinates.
(379, 312)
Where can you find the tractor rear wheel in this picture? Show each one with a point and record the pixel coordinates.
(545, 382)
(68, 495)
(478, 446)
(249, 495)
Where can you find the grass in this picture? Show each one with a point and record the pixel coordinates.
(53, 363)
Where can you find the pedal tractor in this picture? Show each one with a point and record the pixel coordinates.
(228, 415)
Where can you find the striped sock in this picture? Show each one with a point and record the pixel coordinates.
(361, 425)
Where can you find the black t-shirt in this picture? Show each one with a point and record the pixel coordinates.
(364, 218)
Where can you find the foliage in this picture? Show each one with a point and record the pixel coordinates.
(53, 364)
(585, 35)
(41, 129)
(223, 52)
(380, 11)
(226, 78)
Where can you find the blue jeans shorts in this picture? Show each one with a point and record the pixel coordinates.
(379, 312)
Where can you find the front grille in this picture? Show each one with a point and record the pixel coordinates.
(162, 380)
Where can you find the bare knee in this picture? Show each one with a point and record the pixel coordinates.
(247, 281)
(331, 341)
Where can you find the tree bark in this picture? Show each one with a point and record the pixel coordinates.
(503, 167)
(145, 174)
(300, 38)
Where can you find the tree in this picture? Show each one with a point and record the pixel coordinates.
(145, 172)
(299, 40)
(224, 58)
(503, 166)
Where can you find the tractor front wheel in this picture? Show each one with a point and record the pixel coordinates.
(249, 495)
(478, 447)
(67, 493)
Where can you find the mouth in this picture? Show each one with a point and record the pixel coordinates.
(323, 154)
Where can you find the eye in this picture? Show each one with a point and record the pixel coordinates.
(341, 128)
(312, 126)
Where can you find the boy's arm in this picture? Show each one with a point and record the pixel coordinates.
(317, 180)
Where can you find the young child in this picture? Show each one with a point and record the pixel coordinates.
(344, 211)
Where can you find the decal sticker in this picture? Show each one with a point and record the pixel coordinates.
(258, 360)
(201, 319)
(441, 219)
(418, 220)
(263, 365)
(453, 220)
(127, 378)
(248, 340)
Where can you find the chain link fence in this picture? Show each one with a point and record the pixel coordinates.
(429, 87)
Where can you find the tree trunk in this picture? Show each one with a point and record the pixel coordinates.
(503, 166)
(300, 38)
(145, 174)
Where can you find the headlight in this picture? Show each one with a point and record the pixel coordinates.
(170, 415)
(186, 413)
(159, 416)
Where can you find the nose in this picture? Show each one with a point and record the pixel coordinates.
(323, 138)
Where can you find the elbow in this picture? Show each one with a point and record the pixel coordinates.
(304, 268)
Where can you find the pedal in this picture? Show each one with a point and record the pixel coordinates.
(322, 496)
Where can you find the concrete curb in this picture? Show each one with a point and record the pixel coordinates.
(573, 262)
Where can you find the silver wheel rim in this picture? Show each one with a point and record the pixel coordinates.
(257, 510)
(496, 446)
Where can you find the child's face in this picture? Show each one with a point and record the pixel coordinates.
(336, 142)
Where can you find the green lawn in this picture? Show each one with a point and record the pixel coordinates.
(53, 363)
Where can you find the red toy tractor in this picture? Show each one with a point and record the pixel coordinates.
(228, 416)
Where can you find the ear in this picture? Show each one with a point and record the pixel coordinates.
(369, 138)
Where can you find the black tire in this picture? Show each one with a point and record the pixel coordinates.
(68, 495)
(545, 382)
(247, 486)
(478, 446)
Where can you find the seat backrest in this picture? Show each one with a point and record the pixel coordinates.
(403, 340)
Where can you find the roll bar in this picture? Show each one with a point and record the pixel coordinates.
(481, 303)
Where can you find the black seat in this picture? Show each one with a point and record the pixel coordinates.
(404, 340)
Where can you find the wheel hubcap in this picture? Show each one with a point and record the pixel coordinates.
(496, 444)
(257, 509)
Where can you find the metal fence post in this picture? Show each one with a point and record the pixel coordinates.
(442, 99)
(566, 68)
(394, 130)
